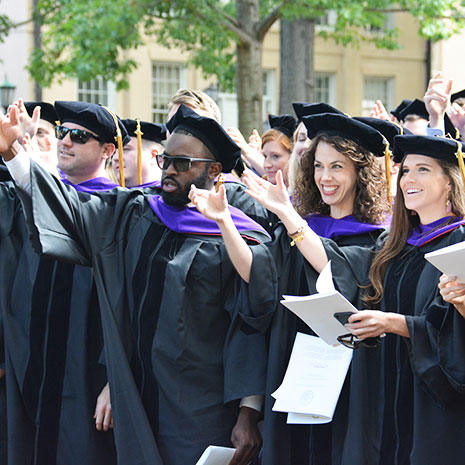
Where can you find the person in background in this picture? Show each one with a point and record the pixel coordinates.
(277, 145)
(196, 100)
(147, 173)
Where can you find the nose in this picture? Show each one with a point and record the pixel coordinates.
(267, 163)
(326, 174)
(170, 169)
(66, 140)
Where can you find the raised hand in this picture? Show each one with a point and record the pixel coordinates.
(457, 116)
(437, 98)
(255, 141)
(274, 197)
(213, 205)
(10, 129)
(29, 124)
(379, 111)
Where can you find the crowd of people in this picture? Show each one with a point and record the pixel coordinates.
(142, 266)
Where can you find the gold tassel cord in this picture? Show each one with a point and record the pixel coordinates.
(119, 140)
(459, 155)
(220, 182)
(139, 133)
(387, 161)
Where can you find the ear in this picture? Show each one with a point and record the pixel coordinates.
(214, 170)
(155, 151)
(107, 150)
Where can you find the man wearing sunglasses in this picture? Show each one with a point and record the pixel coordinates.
(54, 336)
(184, 360)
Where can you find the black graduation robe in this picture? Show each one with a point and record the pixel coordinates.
(178, 352)
(10, 246)
(403, 407)
(53, 342)
(283, 443)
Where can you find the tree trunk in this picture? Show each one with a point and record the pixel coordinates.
(249, 69)
(297, 70)
(37, 45)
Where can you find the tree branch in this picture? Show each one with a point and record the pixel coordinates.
(6, 30)
(264, 25)
(231, 23)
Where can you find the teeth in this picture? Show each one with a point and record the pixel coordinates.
(413, 191)
(329, 189)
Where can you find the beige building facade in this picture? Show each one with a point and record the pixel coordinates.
(350, 78)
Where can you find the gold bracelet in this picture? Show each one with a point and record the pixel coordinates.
(298, 236)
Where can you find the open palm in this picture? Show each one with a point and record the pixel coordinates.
(274, 197)
(213, 205)
(10, 129)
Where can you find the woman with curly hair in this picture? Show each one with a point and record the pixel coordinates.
(341, 192)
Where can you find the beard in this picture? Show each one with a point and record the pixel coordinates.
(180, 197)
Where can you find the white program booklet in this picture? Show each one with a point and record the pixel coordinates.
(216, 455)
(450, 260)
(318, 310)
(313, 380)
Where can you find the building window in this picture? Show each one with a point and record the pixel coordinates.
(97, 91)
(167, 79)
(325, 88)
(377, 88)
(327, 20)
(388, 23)
(269, 91)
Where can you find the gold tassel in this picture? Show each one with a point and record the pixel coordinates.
(119, 140)
(387, 162)
(459, 155)
(220, 182)
(139, 133)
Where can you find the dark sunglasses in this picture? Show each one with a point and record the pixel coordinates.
(352, 342)
(180, 163)
(79, 136)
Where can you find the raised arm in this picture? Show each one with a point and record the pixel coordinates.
(276, 199)
(215, 207)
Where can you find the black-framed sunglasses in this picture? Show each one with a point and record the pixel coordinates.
(180, 163)
(352, 342)
(79, 136)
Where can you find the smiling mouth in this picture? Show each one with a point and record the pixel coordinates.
(413, 191)
(66, 154)
(329, 190)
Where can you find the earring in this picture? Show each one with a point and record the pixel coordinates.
(448, 204)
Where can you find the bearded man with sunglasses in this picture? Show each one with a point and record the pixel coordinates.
(183, 357)
(54, 341)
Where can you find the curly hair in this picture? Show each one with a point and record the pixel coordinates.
(371, 203)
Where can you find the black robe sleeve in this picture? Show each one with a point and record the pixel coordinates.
(68, 225)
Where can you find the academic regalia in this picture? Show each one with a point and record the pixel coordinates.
(10, 245)
(402, 408)
(177, 350)
(293, 444)
(54, 344)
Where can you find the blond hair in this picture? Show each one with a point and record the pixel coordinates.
(196, 99)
